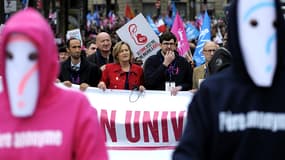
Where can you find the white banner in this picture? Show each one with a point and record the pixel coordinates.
(10, 6)
(141, 126)
(75, 33)
(141, 38)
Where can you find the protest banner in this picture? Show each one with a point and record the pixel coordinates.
(75, 33)
(140, 36)
(140, 125)
(10, 6)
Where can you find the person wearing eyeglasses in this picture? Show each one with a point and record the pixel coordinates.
(166, 70)
(201, 72)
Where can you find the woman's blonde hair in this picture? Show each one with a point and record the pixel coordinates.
(117, 50)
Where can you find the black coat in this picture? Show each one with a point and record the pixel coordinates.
(156, 74)
(88, 73)
(232, 118)
(98, 59)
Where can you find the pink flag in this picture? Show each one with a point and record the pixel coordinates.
(179, 31)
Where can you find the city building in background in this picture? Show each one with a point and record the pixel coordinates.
(69, 14)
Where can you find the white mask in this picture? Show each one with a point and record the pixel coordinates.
(22, 76)
(257, 36)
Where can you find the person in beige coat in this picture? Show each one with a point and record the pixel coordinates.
(200, 72)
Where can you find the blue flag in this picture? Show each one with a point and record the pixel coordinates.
(152, 25)
(191, 32)
(174, 10)
(205, 35)
(96, 17)
(168, 21)
(24, 3)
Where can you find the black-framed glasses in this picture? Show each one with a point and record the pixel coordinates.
(168, 43)
(210, 50)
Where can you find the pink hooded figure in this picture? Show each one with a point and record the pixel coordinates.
(39, 120)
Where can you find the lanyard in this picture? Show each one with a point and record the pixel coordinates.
(172, 70)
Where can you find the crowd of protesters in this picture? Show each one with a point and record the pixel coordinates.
(102, 60)
(98, 49)
(230, 113)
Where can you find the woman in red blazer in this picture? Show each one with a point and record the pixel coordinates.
(122, 74)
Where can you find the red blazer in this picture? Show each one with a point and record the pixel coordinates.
(115, 78)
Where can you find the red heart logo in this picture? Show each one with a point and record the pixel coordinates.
(141, 38)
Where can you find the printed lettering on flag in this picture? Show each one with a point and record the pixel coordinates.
(191, 31)
(179, 31)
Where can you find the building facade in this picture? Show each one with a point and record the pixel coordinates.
(72, 13)
(187, 8)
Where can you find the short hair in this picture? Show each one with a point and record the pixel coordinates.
(167, 36)
(210, 42)
(62, 49)
(70, 39)
(92, 41)
(117, 49)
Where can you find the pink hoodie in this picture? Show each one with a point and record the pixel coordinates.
(64, 125)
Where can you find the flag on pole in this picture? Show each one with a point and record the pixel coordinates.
(25, 3)
(96, 17)
(179, 31)
(168, 21)
(199, 22)
(191, 32)
(152, 25)
(205, 35)
(174, 10)
(160, 25)
(129, 12)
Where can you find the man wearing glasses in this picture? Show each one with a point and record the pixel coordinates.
(201, 72)
(167, 70)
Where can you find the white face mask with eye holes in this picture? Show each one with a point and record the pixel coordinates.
(257, 35)
(22, 76)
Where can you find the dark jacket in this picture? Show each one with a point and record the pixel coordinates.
(156, 74)
(88, 73)
(232, 118)
(98, 59)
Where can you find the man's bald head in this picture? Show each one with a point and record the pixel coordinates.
(103, 42)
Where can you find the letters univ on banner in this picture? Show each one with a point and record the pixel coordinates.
(140, 36)
(140, 126)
